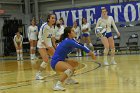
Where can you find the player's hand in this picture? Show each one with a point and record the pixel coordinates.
(118, 33)
(92, 55)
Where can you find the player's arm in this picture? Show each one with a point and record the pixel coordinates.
(84, 48)
(53, 42)
(29, 33)
(114, 26)
(14, 40)
(98, 23)
(21, 40)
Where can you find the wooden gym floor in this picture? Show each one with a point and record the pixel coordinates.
(93, 77)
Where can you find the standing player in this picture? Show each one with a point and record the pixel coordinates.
(59, 62)
(59, 30)
(45, 43)
(18, 39)
(62, 22)
(78, 33)
(106, 21)
(85, 27)
(32, 36)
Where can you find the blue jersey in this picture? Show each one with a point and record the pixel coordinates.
(64, 48)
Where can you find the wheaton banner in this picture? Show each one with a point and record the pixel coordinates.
(123, 12)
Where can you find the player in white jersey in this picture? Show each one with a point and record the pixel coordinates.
(59, 30)
(85, 27)
(46, 43)
(18, 39)
(62, 22)
(106, 21)
(78, 36)
(32, 36)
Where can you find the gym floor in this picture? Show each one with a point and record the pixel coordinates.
(93, 77)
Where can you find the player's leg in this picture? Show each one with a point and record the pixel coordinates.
(45, 58)
(21, 52)
(67, 71)
(31, 49)
(112, 47)
(106, 49)
(34, 52)
(75, 65)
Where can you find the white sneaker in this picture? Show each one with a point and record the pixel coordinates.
(113, 63)
(77, 54)
(32, 58)
(58, 86)
(106, 63)
(38, 76)
(71, 81)
(18, 59)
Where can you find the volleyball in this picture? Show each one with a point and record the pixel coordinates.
(100, 31)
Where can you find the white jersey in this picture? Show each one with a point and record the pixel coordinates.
(106, 23)
(18, 40)
(77, 31)
(32, 32)
(58, 32)
(86, 26)
(45, 34)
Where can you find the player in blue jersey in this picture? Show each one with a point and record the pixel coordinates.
(59, 62)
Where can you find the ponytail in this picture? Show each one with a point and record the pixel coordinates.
(65, 34)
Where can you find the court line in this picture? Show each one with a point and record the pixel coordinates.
(55, 77)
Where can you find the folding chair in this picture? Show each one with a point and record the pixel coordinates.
(132, 44)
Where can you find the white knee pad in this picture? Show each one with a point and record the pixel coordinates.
(113, 51)
(106, 50)
(32, 48)
(43, 64)
(68, 72)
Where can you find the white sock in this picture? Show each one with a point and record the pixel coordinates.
(79, 53)
(21, 55)
(31, 55)
(34, 56)
(112, 58)
(18, 56)
(105, 59)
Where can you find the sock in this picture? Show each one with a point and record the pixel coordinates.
(112, 58)
(105, 59)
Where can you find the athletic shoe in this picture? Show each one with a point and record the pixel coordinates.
(106, 63)
(18, 59)
(39, 76)
(58, 86)
(71, 81)
(113, 63)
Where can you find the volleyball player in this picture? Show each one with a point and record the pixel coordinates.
(32, 36)
(45, 43)
(106, 21)
(18, 40)
(59, 62)
(78, 36)
(85, 27)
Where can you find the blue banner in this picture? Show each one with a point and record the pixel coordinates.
(124, 12)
